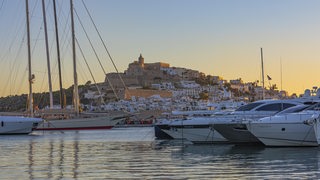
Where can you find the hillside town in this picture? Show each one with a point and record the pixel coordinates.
(157, 86)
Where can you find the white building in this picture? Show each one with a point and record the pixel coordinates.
(163, 86)
(189, 84)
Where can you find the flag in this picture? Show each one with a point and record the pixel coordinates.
(269, 78)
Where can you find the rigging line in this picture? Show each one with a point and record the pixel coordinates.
(306, 136)
(33, 9)
(66, 30)
(58, 62)
(22, 80)
(2, 5)
(82, 76)
(14, 39)
(95, 52)
(41, 95)
(37, 38)
(42, 89)
(64, 43)
(34, 47)
(105, 47)
(64, 70)
(47, 52)
(95, 83)
(15, 70)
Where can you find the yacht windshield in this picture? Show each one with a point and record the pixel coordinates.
(277, 106)
(315, 107)
(250, 106)
(293, 109)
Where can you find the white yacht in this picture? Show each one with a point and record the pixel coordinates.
(287, 129)
(196, 130)
(17, 124)
(194, 125)
(233, 126)
(315, 121)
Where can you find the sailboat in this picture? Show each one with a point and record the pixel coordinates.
(20, 124)
(64, 119)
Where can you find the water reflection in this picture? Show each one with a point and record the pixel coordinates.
(254, 161)
(90, 155)
(30, 158)
(53, 158)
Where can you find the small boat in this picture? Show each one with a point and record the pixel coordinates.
(17, 124)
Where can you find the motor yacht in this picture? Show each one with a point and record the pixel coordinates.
(287, 128)
(233, 126)
(196, 130)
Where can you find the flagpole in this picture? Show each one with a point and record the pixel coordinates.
(281, 72)
(262, 73)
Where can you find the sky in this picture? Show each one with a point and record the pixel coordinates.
(217, 37)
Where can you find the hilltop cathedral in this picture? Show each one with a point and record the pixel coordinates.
(141, 74)
(139, 68)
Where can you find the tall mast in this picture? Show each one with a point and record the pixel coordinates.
(29, 61)
(58, 53)
(47, 51)
(262, 72)
(75, 92)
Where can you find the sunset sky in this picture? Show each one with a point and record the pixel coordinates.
(217, 37)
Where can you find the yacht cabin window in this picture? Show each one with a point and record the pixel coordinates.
(275, 107)
(315, 107)
(250, 106)
(294, 109)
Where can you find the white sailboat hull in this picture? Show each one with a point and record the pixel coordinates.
(17, 125)
(91, 123)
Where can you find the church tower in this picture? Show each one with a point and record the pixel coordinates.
(141, 61)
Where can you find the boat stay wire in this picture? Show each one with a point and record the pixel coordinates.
(85, 60)
(95, 52)
(104, 45)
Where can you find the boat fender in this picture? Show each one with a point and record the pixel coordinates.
(312, 120)
(309, 121)
(2, 123)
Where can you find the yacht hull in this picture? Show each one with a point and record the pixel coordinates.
(236, 133)
(159, 131)
(284, 134)
(196, 134)
(17, 125)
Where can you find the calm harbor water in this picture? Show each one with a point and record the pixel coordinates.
(131, 153)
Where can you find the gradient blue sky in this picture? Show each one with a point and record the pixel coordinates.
(217, 37)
